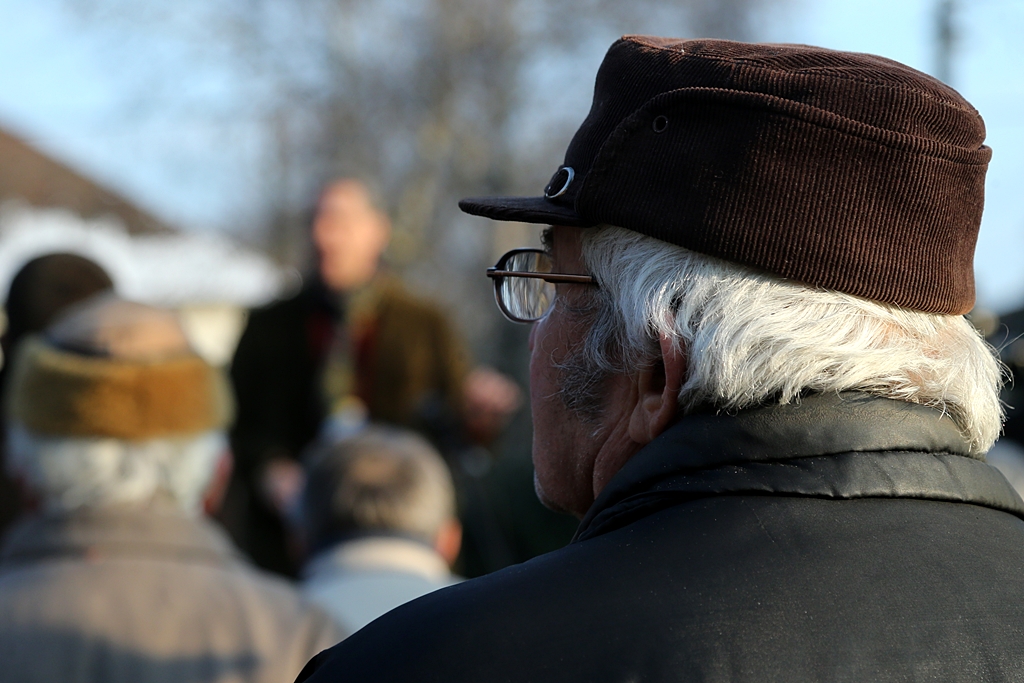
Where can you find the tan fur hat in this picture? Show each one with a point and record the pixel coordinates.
(118, 369)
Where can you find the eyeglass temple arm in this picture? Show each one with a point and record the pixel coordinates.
(547, 277)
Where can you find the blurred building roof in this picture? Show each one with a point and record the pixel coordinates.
(167, 268)
(46, 207)
(30, 176)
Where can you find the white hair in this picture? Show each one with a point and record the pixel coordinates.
(750, 337)
(70, 473)
(382, 480)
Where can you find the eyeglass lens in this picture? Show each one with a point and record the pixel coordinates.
(526, 299)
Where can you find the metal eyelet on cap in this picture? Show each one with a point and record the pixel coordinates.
(560, 182)
(660, 124)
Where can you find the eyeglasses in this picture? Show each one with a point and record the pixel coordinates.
(524, 285)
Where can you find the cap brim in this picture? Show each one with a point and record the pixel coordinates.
(523, 210)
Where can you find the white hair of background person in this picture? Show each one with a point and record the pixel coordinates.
(751, 337)
(383, 479)
(71, 473)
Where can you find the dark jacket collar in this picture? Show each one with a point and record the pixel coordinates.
(840, 446)
(134, 531)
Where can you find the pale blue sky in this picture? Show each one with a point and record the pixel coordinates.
(60, 89)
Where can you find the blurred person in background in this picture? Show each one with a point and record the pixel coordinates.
(379, 516)
(39, 291)
(1006, 333)
(353, 346)
(753, 382)
(116, 434)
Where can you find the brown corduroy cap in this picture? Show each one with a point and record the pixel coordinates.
(841, 170)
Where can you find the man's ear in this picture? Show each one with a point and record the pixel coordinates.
(658, 393)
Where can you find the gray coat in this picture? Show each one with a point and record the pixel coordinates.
(144, 595)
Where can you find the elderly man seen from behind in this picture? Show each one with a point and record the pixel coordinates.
(379, 515)
(752, 380)
(117, 435)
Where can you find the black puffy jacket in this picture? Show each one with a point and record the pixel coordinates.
(844, 538)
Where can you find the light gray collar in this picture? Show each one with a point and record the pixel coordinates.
(379, 554)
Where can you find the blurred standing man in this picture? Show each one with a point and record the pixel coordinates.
(379, 516)
(117, 434)
(352, 346)
(752, 379)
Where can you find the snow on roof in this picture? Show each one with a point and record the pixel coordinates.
(162, 269)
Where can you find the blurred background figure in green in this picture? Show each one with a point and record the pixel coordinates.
(354, 346)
